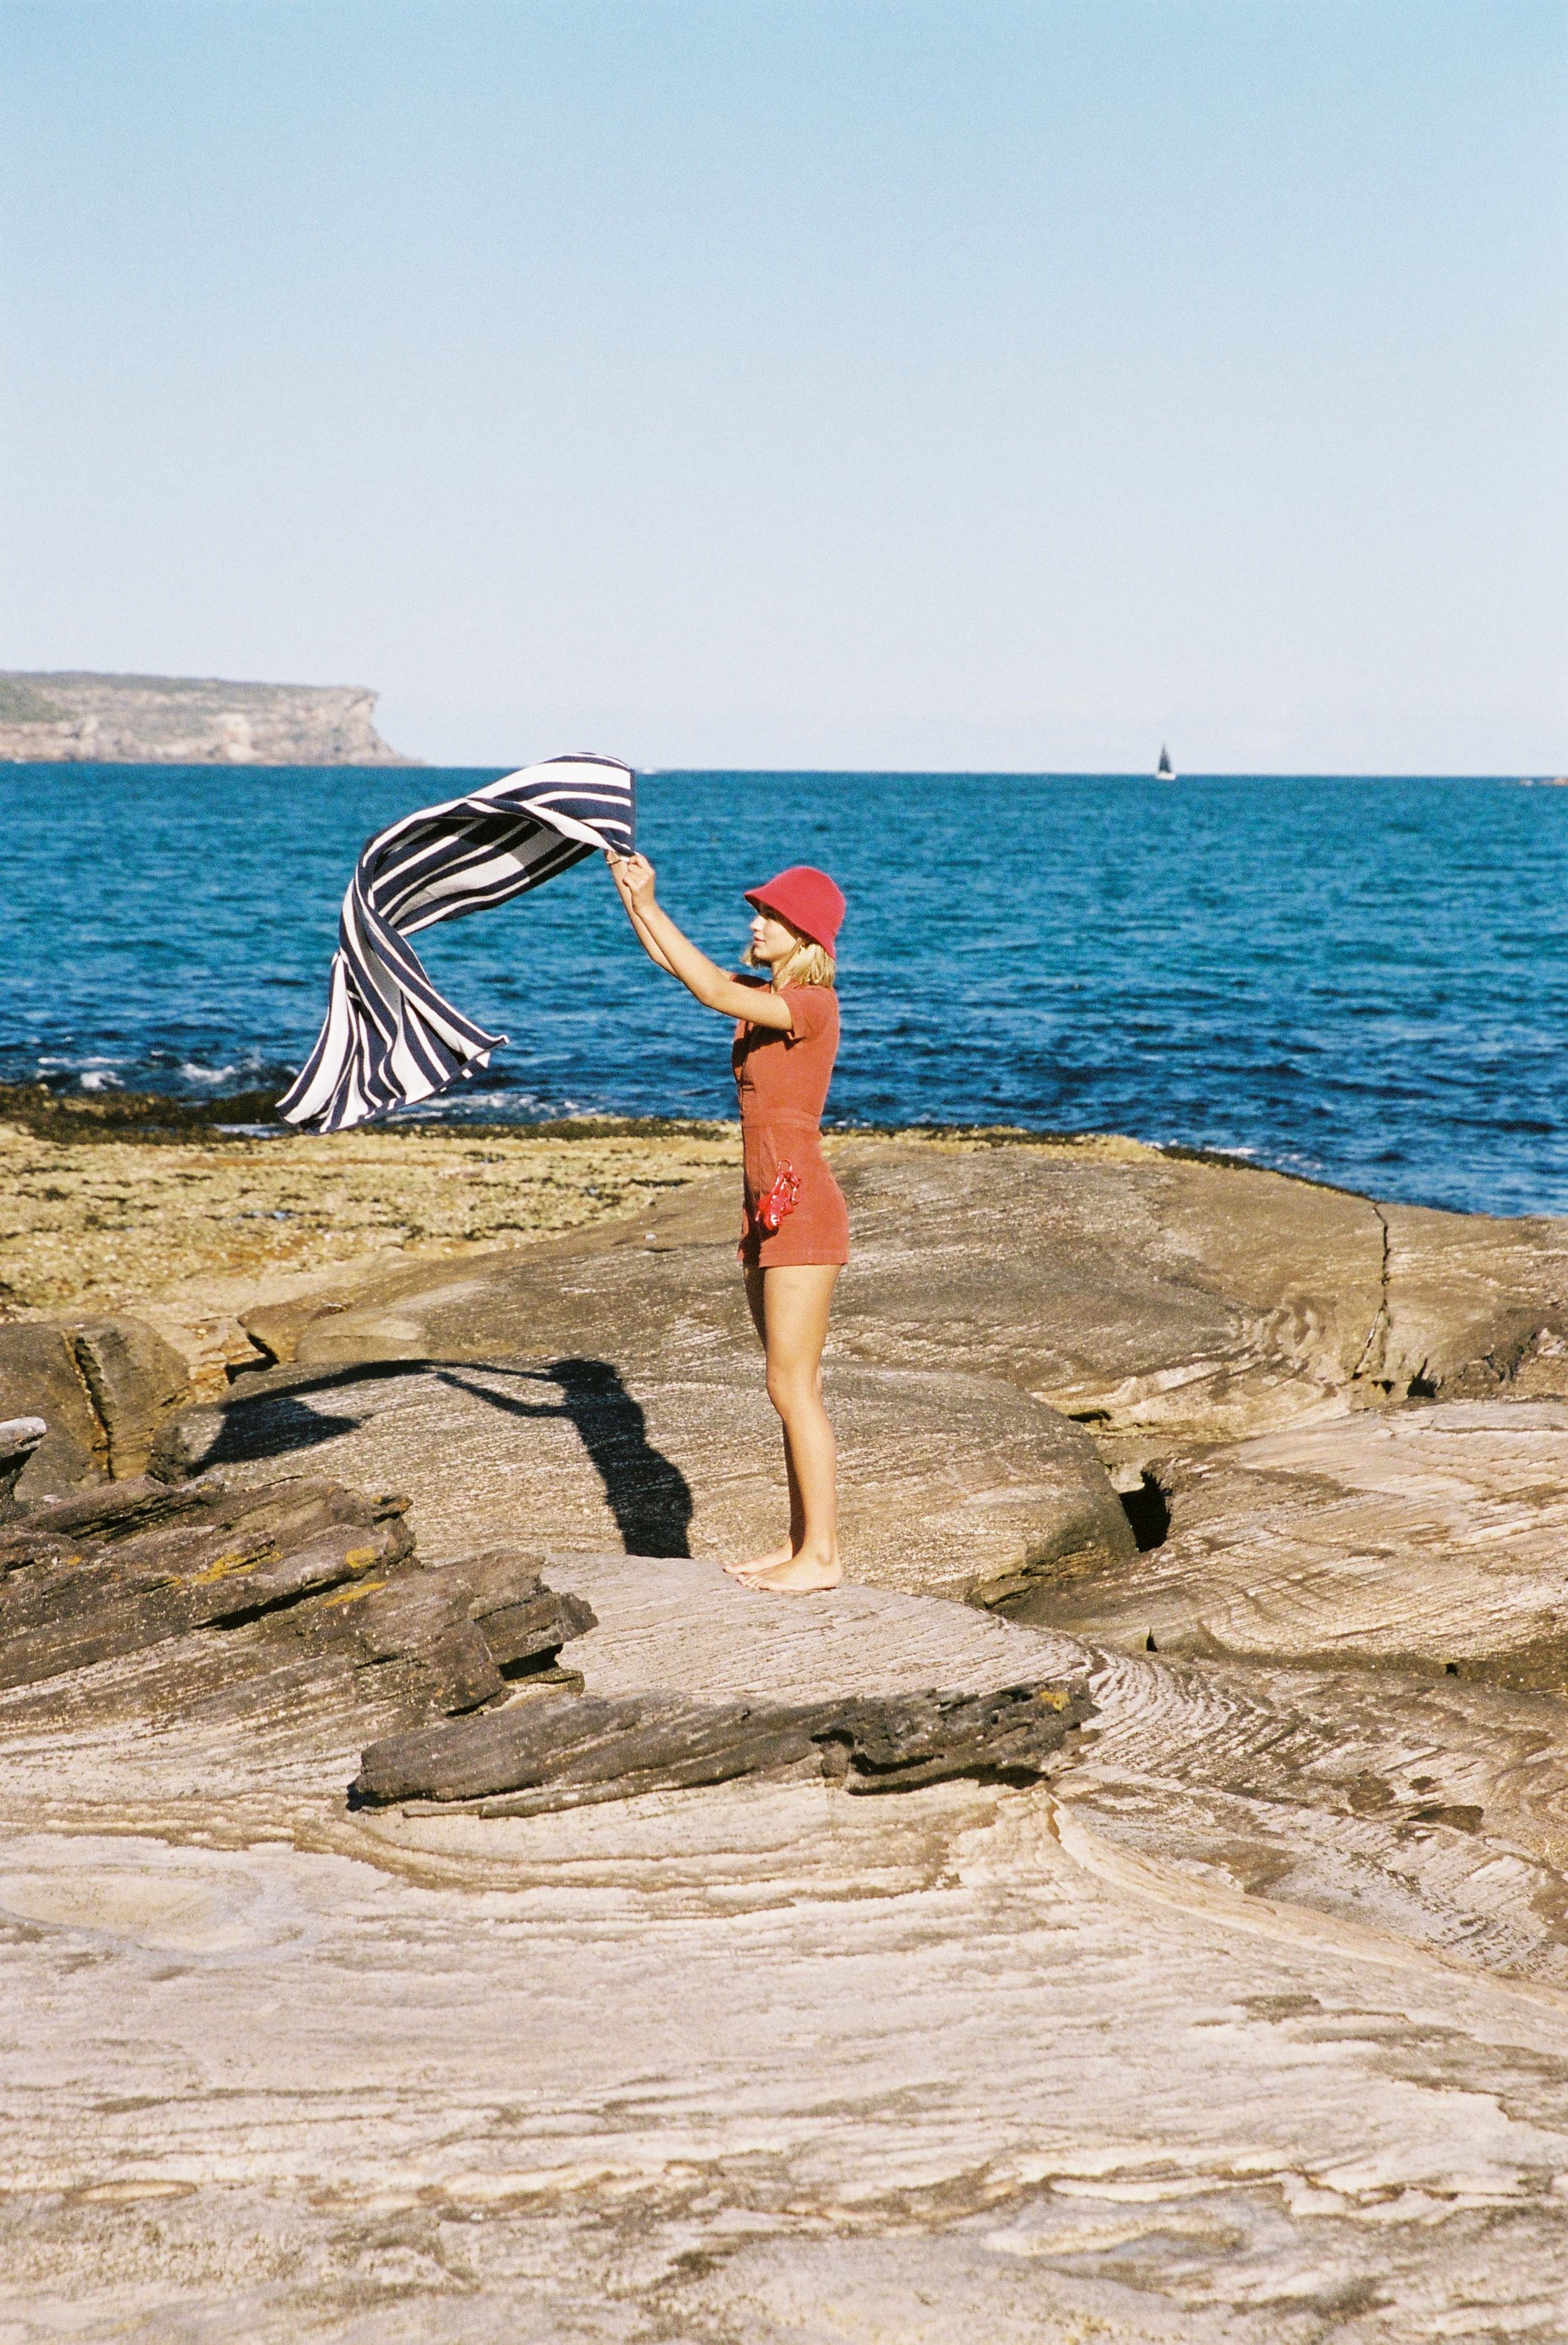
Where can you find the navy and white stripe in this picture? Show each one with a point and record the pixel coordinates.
(389, 1038)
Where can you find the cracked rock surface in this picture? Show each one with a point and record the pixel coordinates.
(1431, 1538)
(571, 1752)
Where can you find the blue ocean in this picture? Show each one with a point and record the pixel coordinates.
(1361, 981)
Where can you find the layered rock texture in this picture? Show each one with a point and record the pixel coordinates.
(175, 720)
(1134, 1907)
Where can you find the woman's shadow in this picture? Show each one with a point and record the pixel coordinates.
(646, 1492)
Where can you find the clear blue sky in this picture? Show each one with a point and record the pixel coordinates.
(911, 384)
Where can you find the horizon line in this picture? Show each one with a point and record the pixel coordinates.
(823, 773)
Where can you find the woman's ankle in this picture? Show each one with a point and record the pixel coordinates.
(822, 1551)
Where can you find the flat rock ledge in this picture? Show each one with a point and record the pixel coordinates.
(952, 1485)
(1429, 1540)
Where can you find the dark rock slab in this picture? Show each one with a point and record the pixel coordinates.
(103, 1387)
(39, 1377)
(565, 1750)
(108, 1510)
(135, 1381)
(68, 1601)
(141, 1564)
(1007, 1737)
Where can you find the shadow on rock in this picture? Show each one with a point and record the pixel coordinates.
(274, 1428)
(646, 1492)
(254, 1421)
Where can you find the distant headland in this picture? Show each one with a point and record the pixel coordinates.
(179, 720)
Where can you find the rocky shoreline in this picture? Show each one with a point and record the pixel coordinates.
(191, 1215)
(457, 1904)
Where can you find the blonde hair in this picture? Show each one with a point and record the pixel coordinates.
(806, 963)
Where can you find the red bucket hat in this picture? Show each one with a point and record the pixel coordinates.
(806, 899)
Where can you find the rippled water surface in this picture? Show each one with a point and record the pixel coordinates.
(1362, 981)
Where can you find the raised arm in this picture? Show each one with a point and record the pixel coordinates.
(665, 943)
(618, 867)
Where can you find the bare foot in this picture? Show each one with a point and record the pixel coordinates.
(798, 1575)
(784, 1553)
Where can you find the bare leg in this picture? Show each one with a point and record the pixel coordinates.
(754, 1298)
(795, 1302)
(754, 1277)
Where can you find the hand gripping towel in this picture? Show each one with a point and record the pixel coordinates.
(389, 1038)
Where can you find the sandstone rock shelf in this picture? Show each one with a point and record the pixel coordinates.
(1235, 2016)
(1431, 1538)
(1203, 2041)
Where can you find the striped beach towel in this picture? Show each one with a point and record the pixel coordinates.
(389, 1038)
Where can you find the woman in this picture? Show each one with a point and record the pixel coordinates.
(794, 1230)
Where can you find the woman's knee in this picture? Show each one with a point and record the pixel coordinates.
(793, 1389)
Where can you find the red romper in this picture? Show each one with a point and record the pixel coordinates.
(783, 1081)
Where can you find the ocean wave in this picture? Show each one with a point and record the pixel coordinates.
(92, 1073)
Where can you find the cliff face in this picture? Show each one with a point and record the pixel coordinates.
(171, 720)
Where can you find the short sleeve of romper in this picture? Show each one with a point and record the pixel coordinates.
(810, 1009)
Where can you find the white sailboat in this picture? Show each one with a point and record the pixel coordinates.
(1164, 771)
